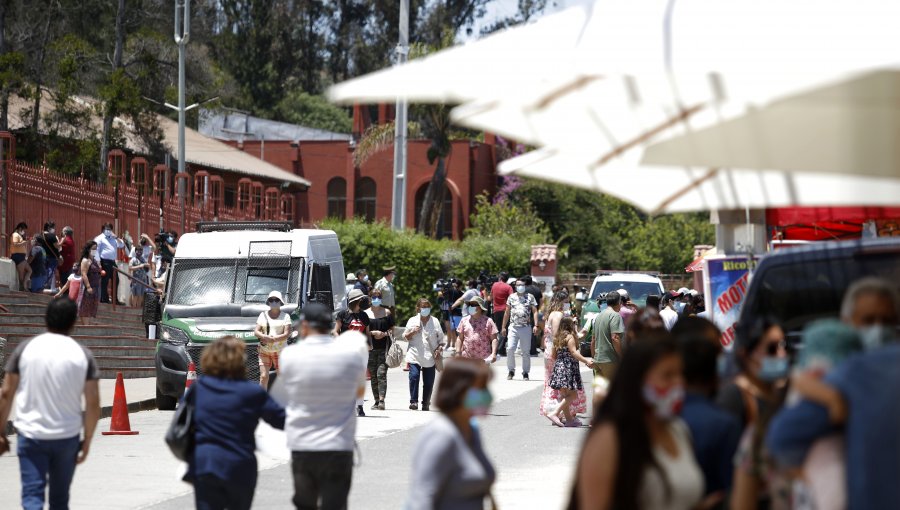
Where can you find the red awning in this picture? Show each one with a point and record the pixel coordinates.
(825, 223)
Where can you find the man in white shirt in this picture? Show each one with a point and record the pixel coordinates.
(668, 313)
(320, 379)
(47, 376)
(107, 249)
(386, 286)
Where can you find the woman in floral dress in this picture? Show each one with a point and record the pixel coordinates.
(566, 376)
(550, 398)
(90, 283)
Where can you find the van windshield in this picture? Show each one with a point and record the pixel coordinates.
(207, 282)
(637, 291)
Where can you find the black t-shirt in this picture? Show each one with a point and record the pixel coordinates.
(353, 321)
(452, 296)
(385, 324)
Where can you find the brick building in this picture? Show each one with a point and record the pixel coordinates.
(340, 189)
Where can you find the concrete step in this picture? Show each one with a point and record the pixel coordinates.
(103, 314)
(111, 341)
(109, 350)
(17, 297)
(92, 330)
(128, 372)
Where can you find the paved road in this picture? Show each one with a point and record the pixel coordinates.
(534, 460)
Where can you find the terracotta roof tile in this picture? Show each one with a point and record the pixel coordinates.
(545, 252)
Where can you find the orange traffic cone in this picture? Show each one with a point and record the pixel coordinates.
(120, 425)
(191, 376)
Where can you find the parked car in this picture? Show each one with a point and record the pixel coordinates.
(638, 285)
(218, 283)
(801, 284)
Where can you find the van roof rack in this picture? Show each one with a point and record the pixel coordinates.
(232, 226)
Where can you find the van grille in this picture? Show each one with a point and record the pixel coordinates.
(251, 362)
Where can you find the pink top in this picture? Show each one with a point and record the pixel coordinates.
(477, 335)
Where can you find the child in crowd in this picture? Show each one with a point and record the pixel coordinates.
(566, 376)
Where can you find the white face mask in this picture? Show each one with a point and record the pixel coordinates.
(425, 312)
(107, 233)
(473, 310)
(875, 336)
(520, 289)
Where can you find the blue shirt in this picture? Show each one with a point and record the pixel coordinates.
(870, 383)
(227, 413)
(107, 246)
(716, 435)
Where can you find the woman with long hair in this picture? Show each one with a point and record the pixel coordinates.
(381, 324)
(228, 408)
(426, 341)
(638, 454)
(566, 375)
(450, 467)
(89, 295)
(550, 398)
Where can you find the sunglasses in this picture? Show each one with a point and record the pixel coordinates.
(773, 347)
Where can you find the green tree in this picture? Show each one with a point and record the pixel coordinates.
(298, 107)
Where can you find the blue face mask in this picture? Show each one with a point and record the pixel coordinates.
(376, 301)
(478, 401)
(425, 312)
(472, 310)
(773, 369)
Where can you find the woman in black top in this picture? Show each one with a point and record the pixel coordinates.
(381, 323)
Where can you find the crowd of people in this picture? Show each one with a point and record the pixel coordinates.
(673, 425)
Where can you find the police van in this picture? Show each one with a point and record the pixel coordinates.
(217, 286)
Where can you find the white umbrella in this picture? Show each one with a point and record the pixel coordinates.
(658, 189)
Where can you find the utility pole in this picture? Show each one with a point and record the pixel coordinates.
(398, 216)
(182, 35)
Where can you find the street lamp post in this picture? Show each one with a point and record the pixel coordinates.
(182, 35)
(398, 216)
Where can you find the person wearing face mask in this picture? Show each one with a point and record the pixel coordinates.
(451, 469)
(867, 389)
(381, 323)
(89, 270)
(362, 281)
(107, 246)
(551, 398)
(519, 323)
(67, 250)
(140, 266)
(638, 453)
(50, 244)
(18, 250)
(386, 286)
(272, 329)
(753, 397)
(566, 375)
(476, 337)
(354, 318)
(425, 337)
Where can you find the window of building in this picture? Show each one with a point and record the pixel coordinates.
(365, 199)
(229, 199)
(337, 198)
(445, 222)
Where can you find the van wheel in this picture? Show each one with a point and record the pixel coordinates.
(165, 402)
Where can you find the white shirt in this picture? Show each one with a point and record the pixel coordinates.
(682, 473)
(273, 327)
(317, 383)
(52, 371)
(107, 246)
(466, 297)
(423, 344)
(669, 317)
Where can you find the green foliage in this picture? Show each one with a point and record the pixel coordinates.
(507, 219)
(374, 246)
(492, 254)
(298, 107)
(602, 232)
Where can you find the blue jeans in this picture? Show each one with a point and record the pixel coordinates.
(42, 459)
(427, 373)
(213, 493)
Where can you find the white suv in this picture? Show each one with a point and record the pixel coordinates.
(638, 285)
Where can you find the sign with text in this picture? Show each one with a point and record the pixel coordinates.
(726, 284)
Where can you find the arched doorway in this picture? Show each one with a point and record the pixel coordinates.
(445, 223)
(365, 199)
(337, 198)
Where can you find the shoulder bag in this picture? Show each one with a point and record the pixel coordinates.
(180, 436)
(394, 356)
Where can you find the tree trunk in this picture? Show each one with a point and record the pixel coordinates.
(4, 94)
(117, 63)
(433, 200)
(39, 72)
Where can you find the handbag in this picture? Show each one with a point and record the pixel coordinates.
(180, 435)
(394, 355)
(438, 360)
(585, 349)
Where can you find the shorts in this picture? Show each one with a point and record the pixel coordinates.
(17, 258)
(268, 361)
(455, 320)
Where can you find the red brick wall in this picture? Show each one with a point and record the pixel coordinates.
(470, 171)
